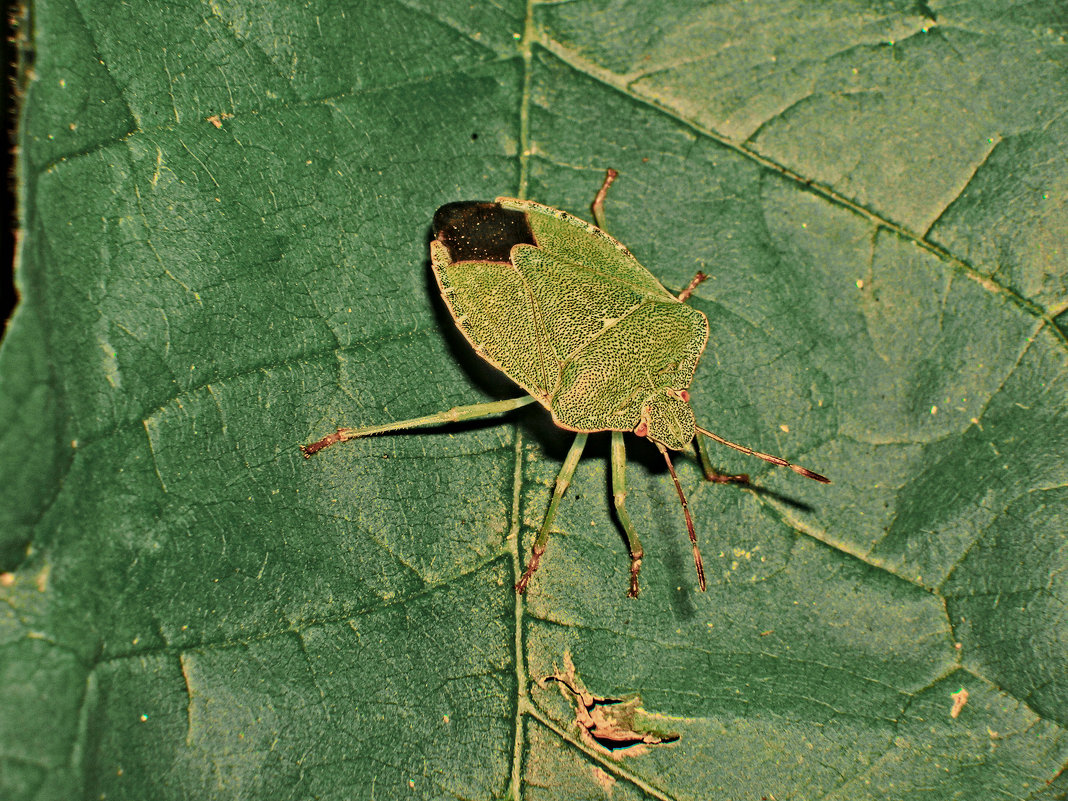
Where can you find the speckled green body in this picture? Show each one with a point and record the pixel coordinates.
(577, 322)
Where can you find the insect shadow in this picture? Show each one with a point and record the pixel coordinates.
(534, 419)
(485, 376)
(554, 442)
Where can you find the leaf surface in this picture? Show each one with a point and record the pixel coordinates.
(225, 211)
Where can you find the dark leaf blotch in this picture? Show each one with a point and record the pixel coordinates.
(475, 230)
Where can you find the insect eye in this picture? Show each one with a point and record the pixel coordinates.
(679, 394)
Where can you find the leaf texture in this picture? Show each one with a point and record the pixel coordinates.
(224, 216)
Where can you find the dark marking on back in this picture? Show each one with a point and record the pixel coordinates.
(476, 230)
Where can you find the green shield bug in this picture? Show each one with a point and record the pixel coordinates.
(567, 313)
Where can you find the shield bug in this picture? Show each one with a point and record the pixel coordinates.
(567, 313)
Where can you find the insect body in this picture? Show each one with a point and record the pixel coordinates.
(567, 312)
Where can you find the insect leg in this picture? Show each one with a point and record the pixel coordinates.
(685, 294)
(697, 563)
(767, 457)
(711, 474)
(454, 415)
(563, 481)
(619, 494)
(598, 202)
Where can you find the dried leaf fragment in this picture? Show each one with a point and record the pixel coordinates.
(217, 119)
(960, 698)
(618, 726)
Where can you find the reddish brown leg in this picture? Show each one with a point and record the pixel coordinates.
(697, 563)
(598, 201)
(712, 474)
(685, 294)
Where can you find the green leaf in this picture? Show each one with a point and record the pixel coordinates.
(225, 211)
